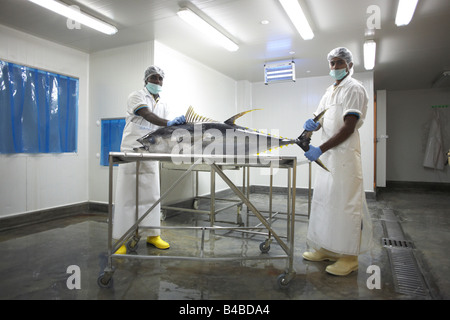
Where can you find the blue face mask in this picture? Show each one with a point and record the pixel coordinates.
(153, 88)
(338, 74)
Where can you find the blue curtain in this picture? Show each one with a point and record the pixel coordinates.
(112, 131)
(38, 111)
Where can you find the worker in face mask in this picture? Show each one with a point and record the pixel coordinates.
(145, 113)
(339, 227)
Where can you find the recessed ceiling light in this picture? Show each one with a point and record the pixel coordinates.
(265, 21)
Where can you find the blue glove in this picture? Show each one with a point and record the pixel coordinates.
(176, 121)
(313, 153)
(310, 125)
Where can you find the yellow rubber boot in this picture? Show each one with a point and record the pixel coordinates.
(319, 255)
(121, 250)
(158, 242)
(343, 266)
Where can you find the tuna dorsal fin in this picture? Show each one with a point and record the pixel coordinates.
(233, 118)
(192, 117)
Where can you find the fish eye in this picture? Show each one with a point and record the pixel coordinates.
(151, 140)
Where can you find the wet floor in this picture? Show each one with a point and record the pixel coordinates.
(36, 258)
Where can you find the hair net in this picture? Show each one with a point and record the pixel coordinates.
(342, 53)
(153, 70)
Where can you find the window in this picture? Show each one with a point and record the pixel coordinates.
(112, 131)
(38, 110)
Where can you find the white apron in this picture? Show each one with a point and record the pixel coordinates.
(125, 203)
(149, 184)
(339, 209)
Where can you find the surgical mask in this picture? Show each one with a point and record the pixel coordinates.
(153, 88)
(338, 74)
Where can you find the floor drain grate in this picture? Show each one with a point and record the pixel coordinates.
(396, 243)
(407, 277)
(406, 273)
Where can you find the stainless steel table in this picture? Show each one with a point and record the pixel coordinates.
(216, 164)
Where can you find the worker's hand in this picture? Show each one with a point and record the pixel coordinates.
(176, 121)
(310, 125)
(313, 153)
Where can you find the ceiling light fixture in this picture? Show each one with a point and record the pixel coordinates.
(298, 18)
(405, 12)
(370, 48)
(279, 71)
(76, 15)
(207, 29)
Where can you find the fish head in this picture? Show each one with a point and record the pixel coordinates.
(155, 142)
(165, 139)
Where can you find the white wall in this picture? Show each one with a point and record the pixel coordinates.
(32, 182)
(210, 93)
(288, 105)
(409, 115)
(115, 73)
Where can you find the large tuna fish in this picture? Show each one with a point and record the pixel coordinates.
(205, 136)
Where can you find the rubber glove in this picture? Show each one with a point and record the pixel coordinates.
(310, 125)
(313, 153)
(176, 121)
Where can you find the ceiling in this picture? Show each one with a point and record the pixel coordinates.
(409, 57)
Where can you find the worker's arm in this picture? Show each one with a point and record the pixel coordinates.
(151, 117)
(342, 135)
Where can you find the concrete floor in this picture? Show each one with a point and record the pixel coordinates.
(35, 259)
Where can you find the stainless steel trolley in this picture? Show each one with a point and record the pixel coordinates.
(194, 208)
(131, 237)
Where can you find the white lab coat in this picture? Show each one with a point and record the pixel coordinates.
(339, 209)
(434, 153)
(149, 189)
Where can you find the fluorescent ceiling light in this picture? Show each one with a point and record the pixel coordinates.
(298, 18)
(370, 48)
(204, 27)
(405, 12)
(76, 15)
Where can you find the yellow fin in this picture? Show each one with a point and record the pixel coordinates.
(233, 118)
(192, 117)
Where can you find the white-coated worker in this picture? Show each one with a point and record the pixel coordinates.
(145, 113)
(339, 227)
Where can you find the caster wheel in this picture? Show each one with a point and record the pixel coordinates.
(282, 281)
(105, 280)
(195, 204)
(264, 247)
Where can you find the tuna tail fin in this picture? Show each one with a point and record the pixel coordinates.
(320, 115)
(304, 139)
(321, 164)
(233, 119)
(304, 144)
